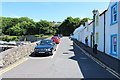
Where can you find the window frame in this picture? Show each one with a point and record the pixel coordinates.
(111, 42)
(115, 5)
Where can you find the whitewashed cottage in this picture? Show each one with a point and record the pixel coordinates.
(107, 30)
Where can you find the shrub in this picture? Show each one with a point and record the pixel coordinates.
(47, 35)
(10, 38)
(41, 35)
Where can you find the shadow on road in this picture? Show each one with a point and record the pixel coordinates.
(71, 49)
(65, 53)
(33, 55)
(89, 68)
(71, 45)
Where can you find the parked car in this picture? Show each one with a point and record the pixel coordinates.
(56, 39)
(61, 35)
(57, 35)
(47, 46)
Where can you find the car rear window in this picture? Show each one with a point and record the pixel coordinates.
(54, 37)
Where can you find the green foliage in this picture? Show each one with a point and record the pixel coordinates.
(45, 27)
(25, 26)
(37, 35)
(47, 35)
(70, 24)
(40, 35)
(10, 38)
(17, 26)
(84, 20)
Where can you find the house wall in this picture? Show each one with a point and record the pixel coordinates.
(83, 35)
(90, 30)
(100, 30)
(80, 36)
(75, 34)
(107, 34)
(110, 30)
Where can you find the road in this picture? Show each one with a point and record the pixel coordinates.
(67, 62)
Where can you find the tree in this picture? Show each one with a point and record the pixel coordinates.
(26, 26)
(70, 24)
(8, 23)
(16, 30)
(45, 27)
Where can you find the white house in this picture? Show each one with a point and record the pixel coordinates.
(107, 30)
(112, 29)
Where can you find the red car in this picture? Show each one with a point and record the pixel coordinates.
(56, 39)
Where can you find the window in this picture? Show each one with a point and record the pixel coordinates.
(114, 13)
(114, 44)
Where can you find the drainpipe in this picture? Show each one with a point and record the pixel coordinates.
(93, 31)
(104, 31)
(94, 14)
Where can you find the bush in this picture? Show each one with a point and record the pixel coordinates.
(10, 38)
(47, 35)
(41, 35)
(37, 35)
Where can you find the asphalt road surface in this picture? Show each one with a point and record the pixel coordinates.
(67, 62)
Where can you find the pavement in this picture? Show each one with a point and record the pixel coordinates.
(111, 62)
(68, 62)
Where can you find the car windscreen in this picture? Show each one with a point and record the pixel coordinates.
(46, 43)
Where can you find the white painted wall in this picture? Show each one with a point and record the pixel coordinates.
(83, 35)
(90, 30)
(100, 30)
(110, 29)
(75, 33)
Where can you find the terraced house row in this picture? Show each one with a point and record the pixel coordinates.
(104, 30)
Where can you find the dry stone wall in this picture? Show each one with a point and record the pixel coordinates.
(10, 56)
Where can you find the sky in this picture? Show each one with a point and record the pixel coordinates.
(51, 11)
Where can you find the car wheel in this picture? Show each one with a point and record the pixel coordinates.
(36, 54)
(51, 53)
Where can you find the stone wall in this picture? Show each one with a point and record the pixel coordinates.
(12, 55)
